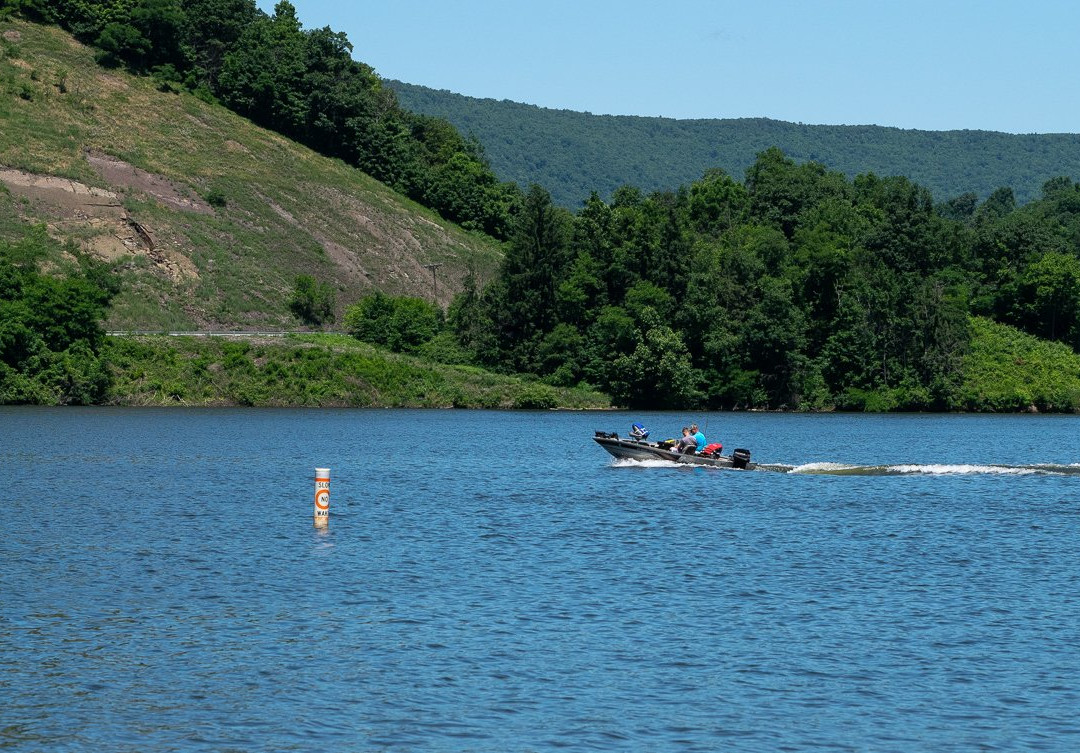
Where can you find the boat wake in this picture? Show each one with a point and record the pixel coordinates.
(935, 469)
(900, 469)
(634, 463)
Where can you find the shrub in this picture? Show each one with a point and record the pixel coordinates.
(215, 198)
(536, 397)
(402, 324)
(312, 302)
(50, 328)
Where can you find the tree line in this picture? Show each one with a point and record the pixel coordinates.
(795, 288)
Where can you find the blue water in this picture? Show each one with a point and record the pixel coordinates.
(910, 583)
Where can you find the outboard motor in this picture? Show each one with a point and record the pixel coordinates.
(740, 458)
(639, 432)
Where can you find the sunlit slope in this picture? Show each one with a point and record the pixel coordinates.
(210, 217)
(1008, 370)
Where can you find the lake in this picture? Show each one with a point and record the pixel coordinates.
(494, 581)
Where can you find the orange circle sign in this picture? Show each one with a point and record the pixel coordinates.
(322, 499)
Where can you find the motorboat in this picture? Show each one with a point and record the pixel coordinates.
(638, 447)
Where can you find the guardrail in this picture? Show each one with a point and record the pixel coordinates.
(207, 333)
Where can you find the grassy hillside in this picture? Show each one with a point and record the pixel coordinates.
(574, 153)
(312, 370)
(1010, 371)
(209, 217)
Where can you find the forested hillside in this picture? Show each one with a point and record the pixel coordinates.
(574, 153)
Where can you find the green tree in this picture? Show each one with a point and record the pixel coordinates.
(560, 355)
(211, 28)
(312, 302)
(582, 293)
(123, 43)
(960, 208)
(823, 252)
(1048, 303)
(403, 324)
(50, 327)
(1001, 250)
(160, 22)
(262, 76)
(717, 203)
(905, 232)
(940, 341)
(369, 319)
(525, 300)
(470, 318)
(612, 334)
(780, 190)
(658, 373)
(413, 323)
(999, 204)
(774, 340)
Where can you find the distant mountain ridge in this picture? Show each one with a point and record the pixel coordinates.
(572, 153)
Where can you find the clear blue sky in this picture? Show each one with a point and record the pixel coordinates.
(996, 65)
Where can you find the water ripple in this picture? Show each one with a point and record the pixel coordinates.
(165, 590)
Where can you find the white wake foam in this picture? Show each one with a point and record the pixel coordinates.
(909, 469)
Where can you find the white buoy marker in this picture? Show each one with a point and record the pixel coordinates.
(322, 497)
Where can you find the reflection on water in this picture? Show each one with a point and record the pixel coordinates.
(908, 583)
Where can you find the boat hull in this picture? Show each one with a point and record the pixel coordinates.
(631, 449)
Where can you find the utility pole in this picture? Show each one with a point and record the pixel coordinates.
(434, 283)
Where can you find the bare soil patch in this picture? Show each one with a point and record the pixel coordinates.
(70, 195)
(97, 218)
(120, 173)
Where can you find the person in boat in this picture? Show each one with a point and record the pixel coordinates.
(686, 445)
(699, 438)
